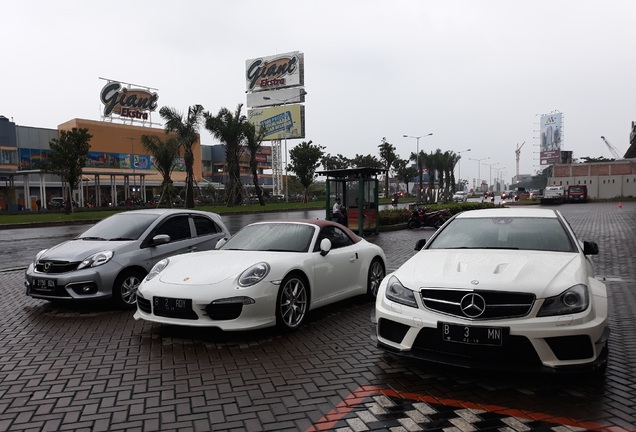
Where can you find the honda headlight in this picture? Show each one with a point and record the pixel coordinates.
(157, 268)
(37, 257)
(573, 300)
(396, 292)
(254, 274)
(96, 259)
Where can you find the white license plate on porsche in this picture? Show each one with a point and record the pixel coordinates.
(172, 305)
(43, 284)
(474, 335)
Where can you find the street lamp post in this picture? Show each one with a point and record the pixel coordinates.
(283, 102)
(417, 162)
(479, 168)
(459, 165)
(490, 175)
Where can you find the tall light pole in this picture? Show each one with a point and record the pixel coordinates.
(490, 176)
(283, 102)
(479, 168)
(459, 165)
(417, 162)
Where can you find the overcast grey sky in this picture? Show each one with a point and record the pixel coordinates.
(475, 73)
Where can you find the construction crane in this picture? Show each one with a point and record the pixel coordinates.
(612, 149)
(517, 154)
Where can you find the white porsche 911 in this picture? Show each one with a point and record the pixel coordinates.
(269, 273)
(498, 288)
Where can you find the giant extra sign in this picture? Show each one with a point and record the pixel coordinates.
(128, 102)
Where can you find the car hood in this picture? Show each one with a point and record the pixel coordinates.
(78, 250)
(541, 273)
(213, 267)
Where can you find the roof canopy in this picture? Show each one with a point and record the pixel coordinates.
(353, 172)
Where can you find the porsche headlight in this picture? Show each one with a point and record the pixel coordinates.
(396, 292)
(157, 268)
(96, 259)
(254, 274)
(573, 300)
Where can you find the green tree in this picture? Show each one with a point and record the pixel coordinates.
(446, 167)
(254, 140)
(305, 159)
(387, 157)
(404, 172)
(229, 128)
(165, 157)
(68, 157)
(339, 161)
(420, 161)
(187, 131)
(367, 161)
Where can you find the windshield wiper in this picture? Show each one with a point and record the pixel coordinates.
(92, 238)
(120, 239)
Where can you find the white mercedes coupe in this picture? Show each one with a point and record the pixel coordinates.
(269, 273)
(504, 289)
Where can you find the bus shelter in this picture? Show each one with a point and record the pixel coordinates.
(358, 190)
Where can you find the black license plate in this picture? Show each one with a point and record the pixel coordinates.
(169, 305)
(474, 335)
(43, 284)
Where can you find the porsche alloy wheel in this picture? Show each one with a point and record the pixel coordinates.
(376, 274)
(293, 302)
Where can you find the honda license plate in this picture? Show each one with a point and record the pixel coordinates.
(43, 284)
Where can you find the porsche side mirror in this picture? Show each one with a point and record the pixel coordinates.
(220, 243)
(325, 247)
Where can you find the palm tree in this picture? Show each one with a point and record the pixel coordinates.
(421, 161)
(165, 156)
(230, 130)
(254, 140)
(187, 131)
(388, 157)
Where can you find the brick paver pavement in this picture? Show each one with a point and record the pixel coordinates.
(95, 368)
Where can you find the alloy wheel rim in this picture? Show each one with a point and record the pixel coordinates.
(293, 303)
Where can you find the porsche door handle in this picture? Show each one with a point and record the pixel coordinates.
(352, 258)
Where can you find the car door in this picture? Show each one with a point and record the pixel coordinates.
(207, 233)
(336, 273)
(179, 228)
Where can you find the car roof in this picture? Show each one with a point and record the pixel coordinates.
(517, 212)
(320, 223)
(162, 211)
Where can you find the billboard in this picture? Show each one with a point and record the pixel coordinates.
(276, 97)
(273, 72)
(551, 129)
(275, 121)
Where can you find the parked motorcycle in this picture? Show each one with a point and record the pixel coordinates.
(423, 217)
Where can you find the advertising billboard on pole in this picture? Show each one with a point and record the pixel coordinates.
(551, 138)
(279, 122)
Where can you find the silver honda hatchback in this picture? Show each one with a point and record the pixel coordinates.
(110, 259)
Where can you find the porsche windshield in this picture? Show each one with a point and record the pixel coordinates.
(274, 237)
(516, 233)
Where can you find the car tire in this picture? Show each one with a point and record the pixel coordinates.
(292, 302)
(125, 288)
(374, 278)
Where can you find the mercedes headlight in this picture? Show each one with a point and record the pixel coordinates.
(396, 292)
(573, 300)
